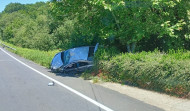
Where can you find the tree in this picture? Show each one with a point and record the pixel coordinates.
(27, 27)
(85, 17)
(128, 21)
(13, 7)
(103, 18)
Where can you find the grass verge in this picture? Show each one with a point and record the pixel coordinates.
(40, 57)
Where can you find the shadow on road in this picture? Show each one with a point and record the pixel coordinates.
(68, 74)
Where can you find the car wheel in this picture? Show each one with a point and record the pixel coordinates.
(53, 70)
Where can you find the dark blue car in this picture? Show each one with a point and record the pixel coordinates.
(75, 59)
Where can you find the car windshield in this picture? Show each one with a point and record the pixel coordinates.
(80, 53)
(57, 62)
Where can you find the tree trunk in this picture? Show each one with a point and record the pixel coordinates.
(131, 47)
(116, 21)
(128, 48)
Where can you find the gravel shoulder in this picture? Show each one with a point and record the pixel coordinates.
(163, 101)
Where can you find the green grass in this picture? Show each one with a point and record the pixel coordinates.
(41, 57)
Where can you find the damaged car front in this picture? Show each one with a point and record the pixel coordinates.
(75, 59)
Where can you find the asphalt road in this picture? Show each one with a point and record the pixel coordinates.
(23, 89)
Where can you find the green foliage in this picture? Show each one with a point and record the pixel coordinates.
(105, 53)
(122, 24)
(13, 7)
(129, 21)
(43, 58)
(168, 73)
(63, 34)
(27, 27)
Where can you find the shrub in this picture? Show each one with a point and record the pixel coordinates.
(168, 73)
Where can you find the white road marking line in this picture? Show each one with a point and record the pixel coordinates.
(63, 85)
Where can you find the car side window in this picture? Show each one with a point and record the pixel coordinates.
(91, 52)
(62, 56)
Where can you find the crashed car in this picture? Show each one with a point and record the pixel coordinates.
(75, 59)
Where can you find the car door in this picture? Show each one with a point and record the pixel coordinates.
(71, 67)
(83, 65)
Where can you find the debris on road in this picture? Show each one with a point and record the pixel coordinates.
(51, 83)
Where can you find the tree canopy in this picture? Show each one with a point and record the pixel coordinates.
(13, 7)
(129, 22)
(128, 25)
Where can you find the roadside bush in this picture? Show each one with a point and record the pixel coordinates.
(102, 54)
(105, 53)
(168, 73)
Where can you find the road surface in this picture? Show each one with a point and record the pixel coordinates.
(24, 87)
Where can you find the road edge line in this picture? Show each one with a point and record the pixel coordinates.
(63, 85)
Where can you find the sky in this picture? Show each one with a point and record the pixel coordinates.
(3, 3)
